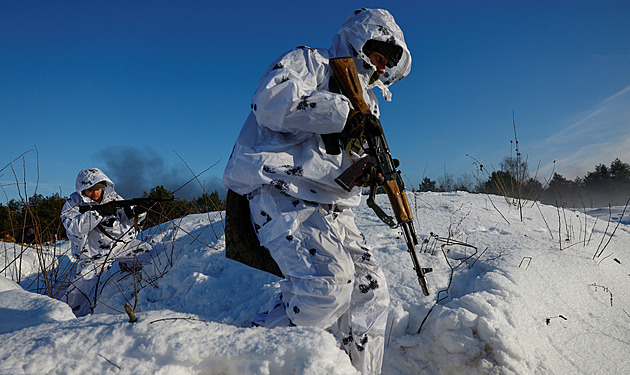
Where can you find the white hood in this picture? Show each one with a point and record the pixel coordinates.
(377, 24)
(90, 177)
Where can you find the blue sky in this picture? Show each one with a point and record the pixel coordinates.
(149, 91)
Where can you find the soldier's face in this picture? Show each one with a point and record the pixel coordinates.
(95, 195)
(379, 61)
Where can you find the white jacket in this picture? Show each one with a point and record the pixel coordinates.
(280, 143)
(88, 241)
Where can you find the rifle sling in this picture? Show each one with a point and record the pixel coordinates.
(100, 227)
(385, 218)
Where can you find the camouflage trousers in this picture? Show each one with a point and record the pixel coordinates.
(331, 278)
(91, 271)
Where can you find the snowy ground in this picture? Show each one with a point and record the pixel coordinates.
(545, 294)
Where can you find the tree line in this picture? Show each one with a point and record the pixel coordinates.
(37, 219)
(598, 188)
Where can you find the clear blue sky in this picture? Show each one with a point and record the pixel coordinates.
(146, 90)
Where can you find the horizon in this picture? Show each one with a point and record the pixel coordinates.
(154, 93)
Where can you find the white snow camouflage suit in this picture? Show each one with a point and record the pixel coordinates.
(300, 214)
(95, 247)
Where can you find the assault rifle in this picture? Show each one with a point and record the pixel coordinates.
(378, 166)
(110, 207)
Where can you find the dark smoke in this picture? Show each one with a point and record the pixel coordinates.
(135, 171)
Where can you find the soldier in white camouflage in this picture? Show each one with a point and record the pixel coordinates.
(100, 238)
(281, 163)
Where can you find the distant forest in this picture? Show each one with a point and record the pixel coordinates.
(606, 185)
(37, 219)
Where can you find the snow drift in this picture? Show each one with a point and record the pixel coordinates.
(548, 293)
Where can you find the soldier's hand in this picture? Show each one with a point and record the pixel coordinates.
(372, 125)
(359, 123)
(107, 209)
(354, 125)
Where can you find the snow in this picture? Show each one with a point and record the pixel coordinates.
(545, 294)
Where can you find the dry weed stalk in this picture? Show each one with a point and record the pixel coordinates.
(445, 243)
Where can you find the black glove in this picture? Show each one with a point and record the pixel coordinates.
(354, 125)
(372, 125)
(358, 123)
(106, 209)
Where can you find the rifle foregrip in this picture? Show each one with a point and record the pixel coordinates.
(398, 201)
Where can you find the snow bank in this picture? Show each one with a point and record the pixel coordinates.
(548, 293)
(164, 342)
(19, 308)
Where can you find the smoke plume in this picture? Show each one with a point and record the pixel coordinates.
(135, 171)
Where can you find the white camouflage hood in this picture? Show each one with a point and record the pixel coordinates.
(90, 177)
(377, 24)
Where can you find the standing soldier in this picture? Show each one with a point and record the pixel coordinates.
(285, 161)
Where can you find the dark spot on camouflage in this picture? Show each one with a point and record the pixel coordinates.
(266, 216)
(304, 104)
(296, 309)
(363, 288)
(347, 340)
(293, 171)
(354, 51)
(289, 237)
(361, 344)
(312, 251)
(278, 66)
(279, 184)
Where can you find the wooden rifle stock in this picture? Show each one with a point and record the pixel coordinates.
(380, 158)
